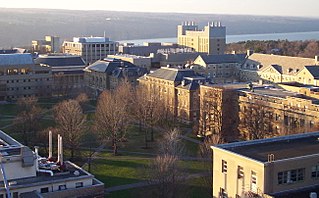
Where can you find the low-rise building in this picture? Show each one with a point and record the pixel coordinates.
(146, 49)
(91, 49)
(222, 68)
(141, 61)
(25, 174)
(179, 88)
(107, 74)
(278, 167)
(67, 73)
(279, 69)
(21, 77)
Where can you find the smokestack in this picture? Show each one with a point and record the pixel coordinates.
(50, 144)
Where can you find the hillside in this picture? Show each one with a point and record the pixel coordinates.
(20, 26)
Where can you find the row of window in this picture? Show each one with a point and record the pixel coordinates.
(25, 88)
(28, 80)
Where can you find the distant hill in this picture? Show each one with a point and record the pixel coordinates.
(19, 26)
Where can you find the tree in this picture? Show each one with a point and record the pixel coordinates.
(112, 114)
(255, 121)
(28, 117)
(205, 153)
(148, 111)
(164, 170)
(70, 121)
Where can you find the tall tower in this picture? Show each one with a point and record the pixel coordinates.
(212, 39)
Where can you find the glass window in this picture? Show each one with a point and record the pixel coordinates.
(291, 176)
(224, 166)
(44, 190)
(78, 184)
(62, 187)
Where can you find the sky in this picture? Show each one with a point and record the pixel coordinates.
(306, 8)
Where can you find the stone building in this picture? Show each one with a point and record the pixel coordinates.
(211, 40)
(107, 74)
(21, 77)
(279, 167)
(279, 69)
(222, 68)
(140, 61)
(179, 88)
(274, 111)
(91, 49)
(67, 73)
(50, 44)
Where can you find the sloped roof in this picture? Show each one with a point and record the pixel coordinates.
(286, 62)
(56, 61)
(129, 72)
(192, 85)
(108, 65)
(224, 58)
(172, 74)
(314, 70)
(16, 59)
(278, 68)
(182, 57)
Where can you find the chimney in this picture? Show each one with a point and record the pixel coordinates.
(233, 52)
(250, 52)
(50, 144)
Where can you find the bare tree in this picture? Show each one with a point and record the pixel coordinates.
(255, 121)
(164, 170)
(205, 153)
(70, 121)
(148, 111)
(112, 115)
(28, 117)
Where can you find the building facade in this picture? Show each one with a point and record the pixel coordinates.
(25, 174)
(222, 68)
(278, 167)
(178, 88)
(108, 73)
(141, 61)
(211, 40)
(91, 49)
(67, 73)
(50, 44)
(21, 77)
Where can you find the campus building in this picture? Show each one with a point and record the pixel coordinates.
(67, 73)
(108, 73)
(223, 68)
(178, 88)
(211, 40)
(146, 49)
(141, 61)
(280, 69)
(91, 49)
(277, 112)
(280, 167)
(21, 77)
(50, 44)
(26, 174)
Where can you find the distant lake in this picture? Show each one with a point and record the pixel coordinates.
(292, 36)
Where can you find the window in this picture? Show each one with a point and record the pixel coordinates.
(223, 193)
(15, 195)
(78, 184)
(253, 183)
(240, 172)
(62, 187)
(315, 171)
(291, 176)
(224, 166)
(44, 190)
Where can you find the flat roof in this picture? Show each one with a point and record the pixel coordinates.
(284, 147)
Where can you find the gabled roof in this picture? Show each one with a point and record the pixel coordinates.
(109, 65)
(129, 72)
(313, 70)
(56, 61)
(278, 68)
(16, 59)
(223, 58)
(182, 57)
(172, 74)
(287, 63)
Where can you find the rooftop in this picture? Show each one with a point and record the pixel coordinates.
(285, 147)
(59, 61)
(224, 58)
(16, 59)
(172, 74)
(91, 39)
